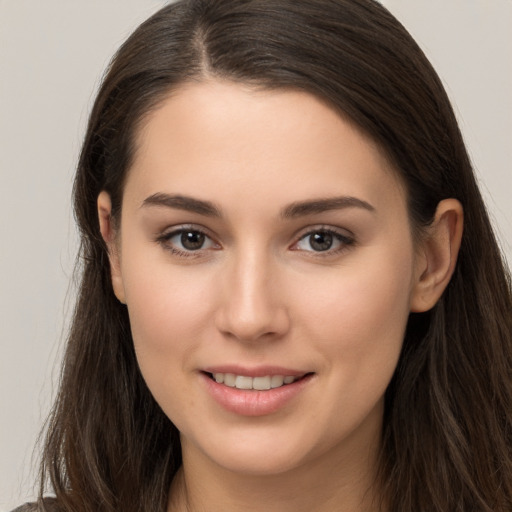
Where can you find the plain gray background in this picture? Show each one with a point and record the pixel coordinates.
(52, 55)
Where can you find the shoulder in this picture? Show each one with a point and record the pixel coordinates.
(50, 505)
(28, 507)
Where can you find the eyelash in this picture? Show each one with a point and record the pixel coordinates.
(345, 241)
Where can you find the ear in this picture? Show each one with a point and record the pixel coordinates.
(109, 235)
(437, 255)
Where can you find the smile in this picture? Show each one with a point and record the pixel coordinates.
(256, 395)
(258, 383)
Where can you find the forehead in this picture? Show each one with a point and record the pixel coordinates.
(286, 143)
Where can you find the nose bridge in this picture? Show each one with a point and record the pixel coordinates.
(251, 305)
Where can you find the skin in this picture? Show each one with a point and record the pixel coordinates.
(259, 292)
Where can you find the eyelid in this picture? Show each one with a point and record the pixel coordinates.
(178, 228)
(343, 232)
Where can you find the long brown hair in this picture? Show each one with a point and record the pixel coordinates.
(447, 437)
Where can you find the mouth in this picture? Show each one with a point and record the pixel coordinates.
(261, 383)
(266, 390)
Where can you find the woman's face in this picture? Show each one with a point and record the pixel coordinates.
(264, 240)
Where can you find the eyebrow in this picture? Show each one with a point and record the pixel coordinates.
(294, 210)
(179, 202)
(303, 208)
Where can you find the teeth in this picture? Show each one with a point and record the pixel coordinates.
(229, 380)
(243, 382)
(276, 381)
(258, 383)
(261, 383)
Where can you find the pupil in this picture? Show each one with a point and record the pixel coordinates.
(321, 241)
(192, 240)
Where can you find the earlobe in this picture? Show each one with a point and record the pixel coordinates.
(109, 236)
(438, 255)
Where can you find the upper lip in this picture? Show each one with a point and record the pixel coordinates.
(255, 371)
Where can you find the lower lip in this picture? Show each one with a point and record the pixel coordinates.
(253, 402)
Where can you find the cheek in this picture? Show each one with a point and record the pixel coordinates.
(359, 313)
(167, 312)
(357, 323)
(167, 307)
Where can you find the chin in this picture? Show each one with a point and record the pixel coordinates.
(261, 464)
(254, 453)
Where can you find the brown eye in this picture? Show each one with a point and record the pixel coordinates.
(186, 241)
(192, 240)
(323, 240)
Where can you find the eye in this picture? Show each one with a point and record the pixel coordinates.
(323, 240)
(186, 241)
(189, 240)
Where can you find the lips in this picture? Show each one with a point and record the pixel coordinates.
(254, 392)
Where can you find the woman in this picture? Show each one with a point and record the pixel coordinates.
(280, 307)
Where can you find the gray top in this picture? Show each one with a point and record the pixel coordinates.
(28, 507)
(50, 506)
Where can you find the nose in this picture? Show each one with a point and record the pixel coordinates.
(252, 306)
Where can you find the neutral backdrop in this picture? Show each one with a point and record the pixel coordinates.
(52, 55)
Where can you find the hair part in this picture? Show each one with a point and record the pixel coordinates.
(109, 446)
